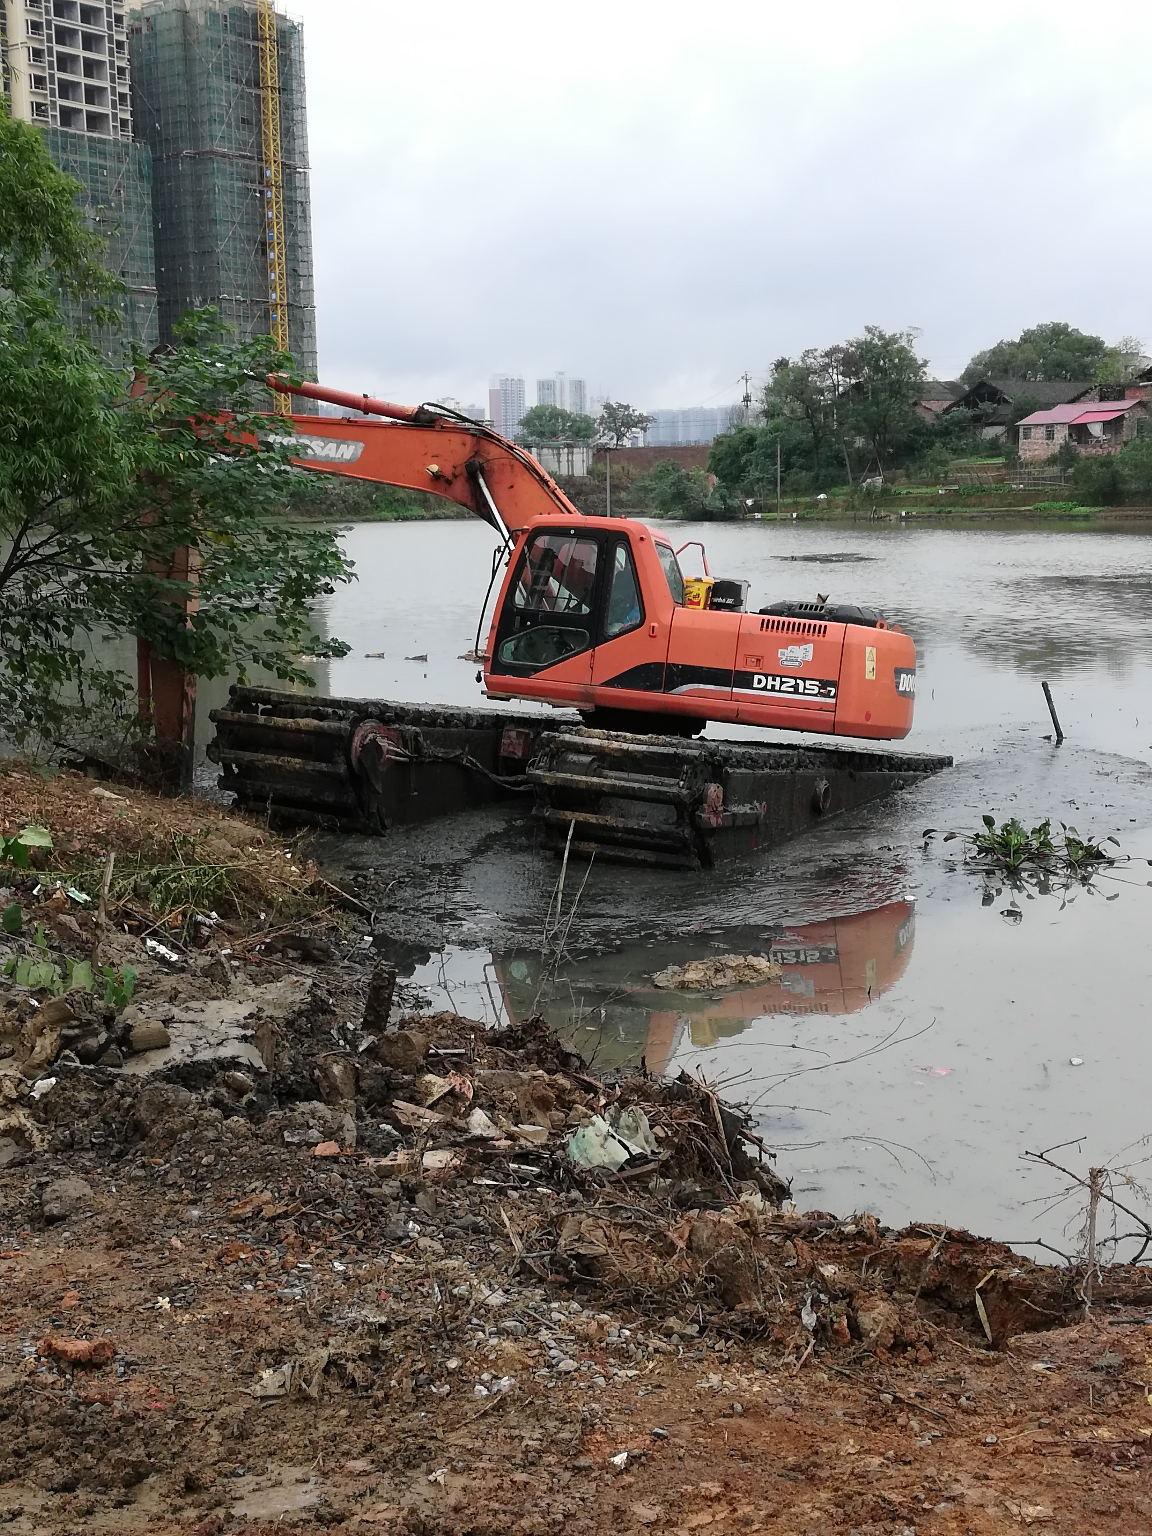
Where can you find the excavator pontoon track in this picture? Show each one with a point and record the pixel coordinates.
(661, 800)
(362, 765)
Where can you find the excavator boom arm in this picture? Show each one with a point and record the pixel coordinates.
(424, 449)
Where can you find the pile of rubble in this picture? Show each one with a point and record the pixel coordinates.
(640, 1192)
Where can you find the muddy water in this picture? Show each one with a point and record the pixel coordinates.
(923, 1034)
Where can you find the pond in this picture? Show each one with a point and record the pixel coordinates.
(930, 1025)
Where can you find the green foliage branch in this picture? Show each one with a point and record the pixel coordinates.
(105, 475)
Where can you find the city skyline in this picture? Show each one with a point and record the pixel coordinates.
(797, 249)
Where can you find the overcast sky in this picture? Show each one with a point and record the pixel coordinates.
(657, 197)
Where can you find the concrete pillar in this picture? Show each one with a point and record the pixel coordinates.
(18, 62)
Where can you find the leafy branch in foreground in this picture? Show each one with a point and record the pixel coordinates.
(106, 475)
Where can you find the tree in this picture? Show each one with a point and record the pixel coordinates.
(1044, 353)
(802, 388)
(1120, 364)
(41, 229)
(883, 376)
(553, 424)
(104, 476)
(618, 421)
(1024, 405)
(1098, 481)
(1135, 461)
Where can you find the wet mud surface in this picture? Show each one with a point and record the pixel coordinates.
(985, 993)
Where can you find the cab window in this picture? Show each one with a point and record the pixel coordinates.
(624, 607)
(543, 645)
(672, 574)
(558, 575)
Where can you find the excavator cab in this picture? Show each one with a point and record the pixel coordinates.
(597, 614)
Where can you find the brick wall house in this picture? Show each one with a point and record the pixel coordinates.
(1094, 426)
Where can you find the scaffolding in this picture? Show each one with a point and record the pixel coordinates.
(115, 178)
(273, 180)
(197, 97)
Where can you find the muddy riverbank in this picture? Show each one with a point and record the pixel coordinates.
(267, 1263)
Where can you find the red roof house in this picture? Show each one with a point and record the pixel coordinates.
(1094, 426)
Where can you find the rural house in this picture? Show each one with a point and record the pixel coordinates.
(992, 401)
(1094, 426)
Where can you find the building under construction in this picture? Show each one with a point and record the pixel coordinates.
(218, 96)
(184, 123)
(65, 68)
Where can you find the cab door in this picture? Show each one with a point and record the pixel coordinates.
(631, 643)
(545, 638)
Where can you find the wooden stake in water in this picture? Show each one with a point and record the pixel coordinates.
(1052, 712)
(1095, 1186)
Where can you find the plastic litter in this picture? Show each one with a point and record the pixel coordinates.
(480, 1125)
(609, 1141)
(161, 951)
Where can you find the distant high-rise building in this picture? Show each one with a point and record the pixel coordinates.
(201, 101)
(65, 68)
(700, 424)
(506, 405)
(568, 394)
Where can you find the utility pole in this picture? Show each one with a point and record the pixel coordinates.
(777, 477)
(608, 480)
(746, 397)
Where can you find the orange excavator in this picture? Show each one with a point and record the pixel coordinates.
(593, 614)
(596, 614)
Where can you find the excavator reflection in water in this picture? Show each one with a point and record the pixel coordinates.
(615, 1016)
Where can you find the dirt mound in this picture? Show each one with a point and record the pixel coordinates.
(307, 1258)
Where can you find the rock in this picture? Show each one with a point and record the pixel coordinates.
(309, 1125)
(65, 1198)
(403, 1050)
(717, 974)
(337, 1078)
(533, 1133)
(217, 970)
(147, 1035)
(877, 1319)
(378, 1003)
(91, 1047)
(156, 1102)
(78, 1351)
(430, 1087)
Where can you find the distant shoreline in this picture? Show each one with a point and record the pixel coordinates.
(887, 514)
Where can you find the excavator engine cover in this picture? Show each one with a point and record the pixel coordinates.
(829, 613)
